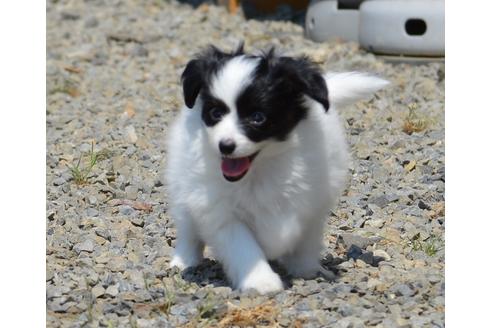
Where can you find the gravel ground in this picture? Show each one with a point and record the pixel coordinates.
(113, 72)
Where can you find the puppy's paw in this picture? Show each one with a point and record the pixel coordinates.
(181, 263)
(263, 280)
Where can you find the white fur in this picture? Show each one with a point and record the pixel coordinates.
(278, 209)
(349, 87)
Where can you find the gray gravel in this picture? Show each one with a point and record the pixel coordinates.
(113, 79)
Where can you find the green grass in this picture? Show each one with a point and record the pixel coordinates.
(80, 174)
(169, 301)
(66, 86)
(207, 309)
(430, 246)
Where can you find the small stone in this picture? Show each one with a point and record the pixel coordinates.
(99, 58)
(423, 205)
(126, 210)
(137, 279)
(354, 252)
(375, 223)
(383, 254)
(352, 239)
(59, 308)
(158, 182)
(360, 264)
(223, 291)
(86, 246)
(117, 264)
(131, 192)
(372, 283)
(69, 15)
(403, 290)
(137, 221)
(103, 259)
(392, 234)
(380, 201)
(98, 291)
(131, 134)
(91, 22)
(347, 264)
(85, 148)
(92, 200)
(146, 323)
(434, 278)
(104, 233)
(112, 290)
(92, 212)
(367, 258)
(92, 278)
(59, 181)
(139, 51)
(345, 310)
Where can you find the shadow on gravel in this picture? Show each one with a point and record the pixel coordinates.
(210, 272)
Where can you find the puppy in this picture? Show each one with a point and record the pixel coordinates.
(256, 162)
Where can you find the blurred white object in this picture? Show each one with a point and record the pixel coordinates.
(394, 27)
(325, 21)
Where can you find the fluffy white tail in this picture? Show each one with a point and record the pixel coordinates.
(350, 87)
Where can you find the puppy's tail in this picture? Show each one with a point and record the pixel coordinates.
(349, 87)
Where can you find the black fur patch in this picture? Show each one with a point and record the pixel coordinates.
(277, 90)
(209, 103)
(198, 72)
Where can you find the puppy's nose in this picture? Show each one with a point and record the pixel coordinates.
(227, 146)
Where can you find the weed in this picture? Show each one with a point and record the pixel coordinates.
(260, 315)
(209, 312)
(206, 310)
(414, 122)
(133, 322)
(81, 174)
(169, 301)
(430, 246)
(66, 86)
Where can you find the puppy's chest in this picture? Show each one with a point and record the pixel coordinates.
(275, 224)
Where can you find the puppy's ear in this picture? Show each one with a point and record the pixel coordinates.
(305, 77)
(199, 70)
(192, 80)
(316, 88)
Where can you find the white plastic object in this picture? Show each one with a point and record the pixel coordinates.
(326, 22)
(402, 27)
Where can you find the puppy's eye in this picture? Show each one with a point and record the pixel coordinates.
(216, 113)
(257, 118)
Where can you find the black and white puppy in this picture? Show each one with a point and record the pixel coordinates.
(256, 162)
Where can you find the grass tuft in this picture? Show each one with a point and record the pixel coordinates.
(169, 301)
(66, 86)
(414, 122)
(81, 174)
(430, 246)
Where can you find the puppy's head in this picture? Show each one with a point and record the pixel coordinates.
(248, 101)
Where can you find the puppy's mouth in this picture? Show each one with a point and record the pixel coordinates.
(234, 169)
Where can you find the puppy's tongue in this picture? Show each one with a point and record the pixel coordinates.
(234, 167)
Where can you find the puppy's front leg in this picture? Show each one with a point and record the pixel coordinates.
(243, 260)
(189, 247)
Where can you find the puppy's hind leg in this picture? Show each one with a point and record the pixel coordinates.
(189, 246)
